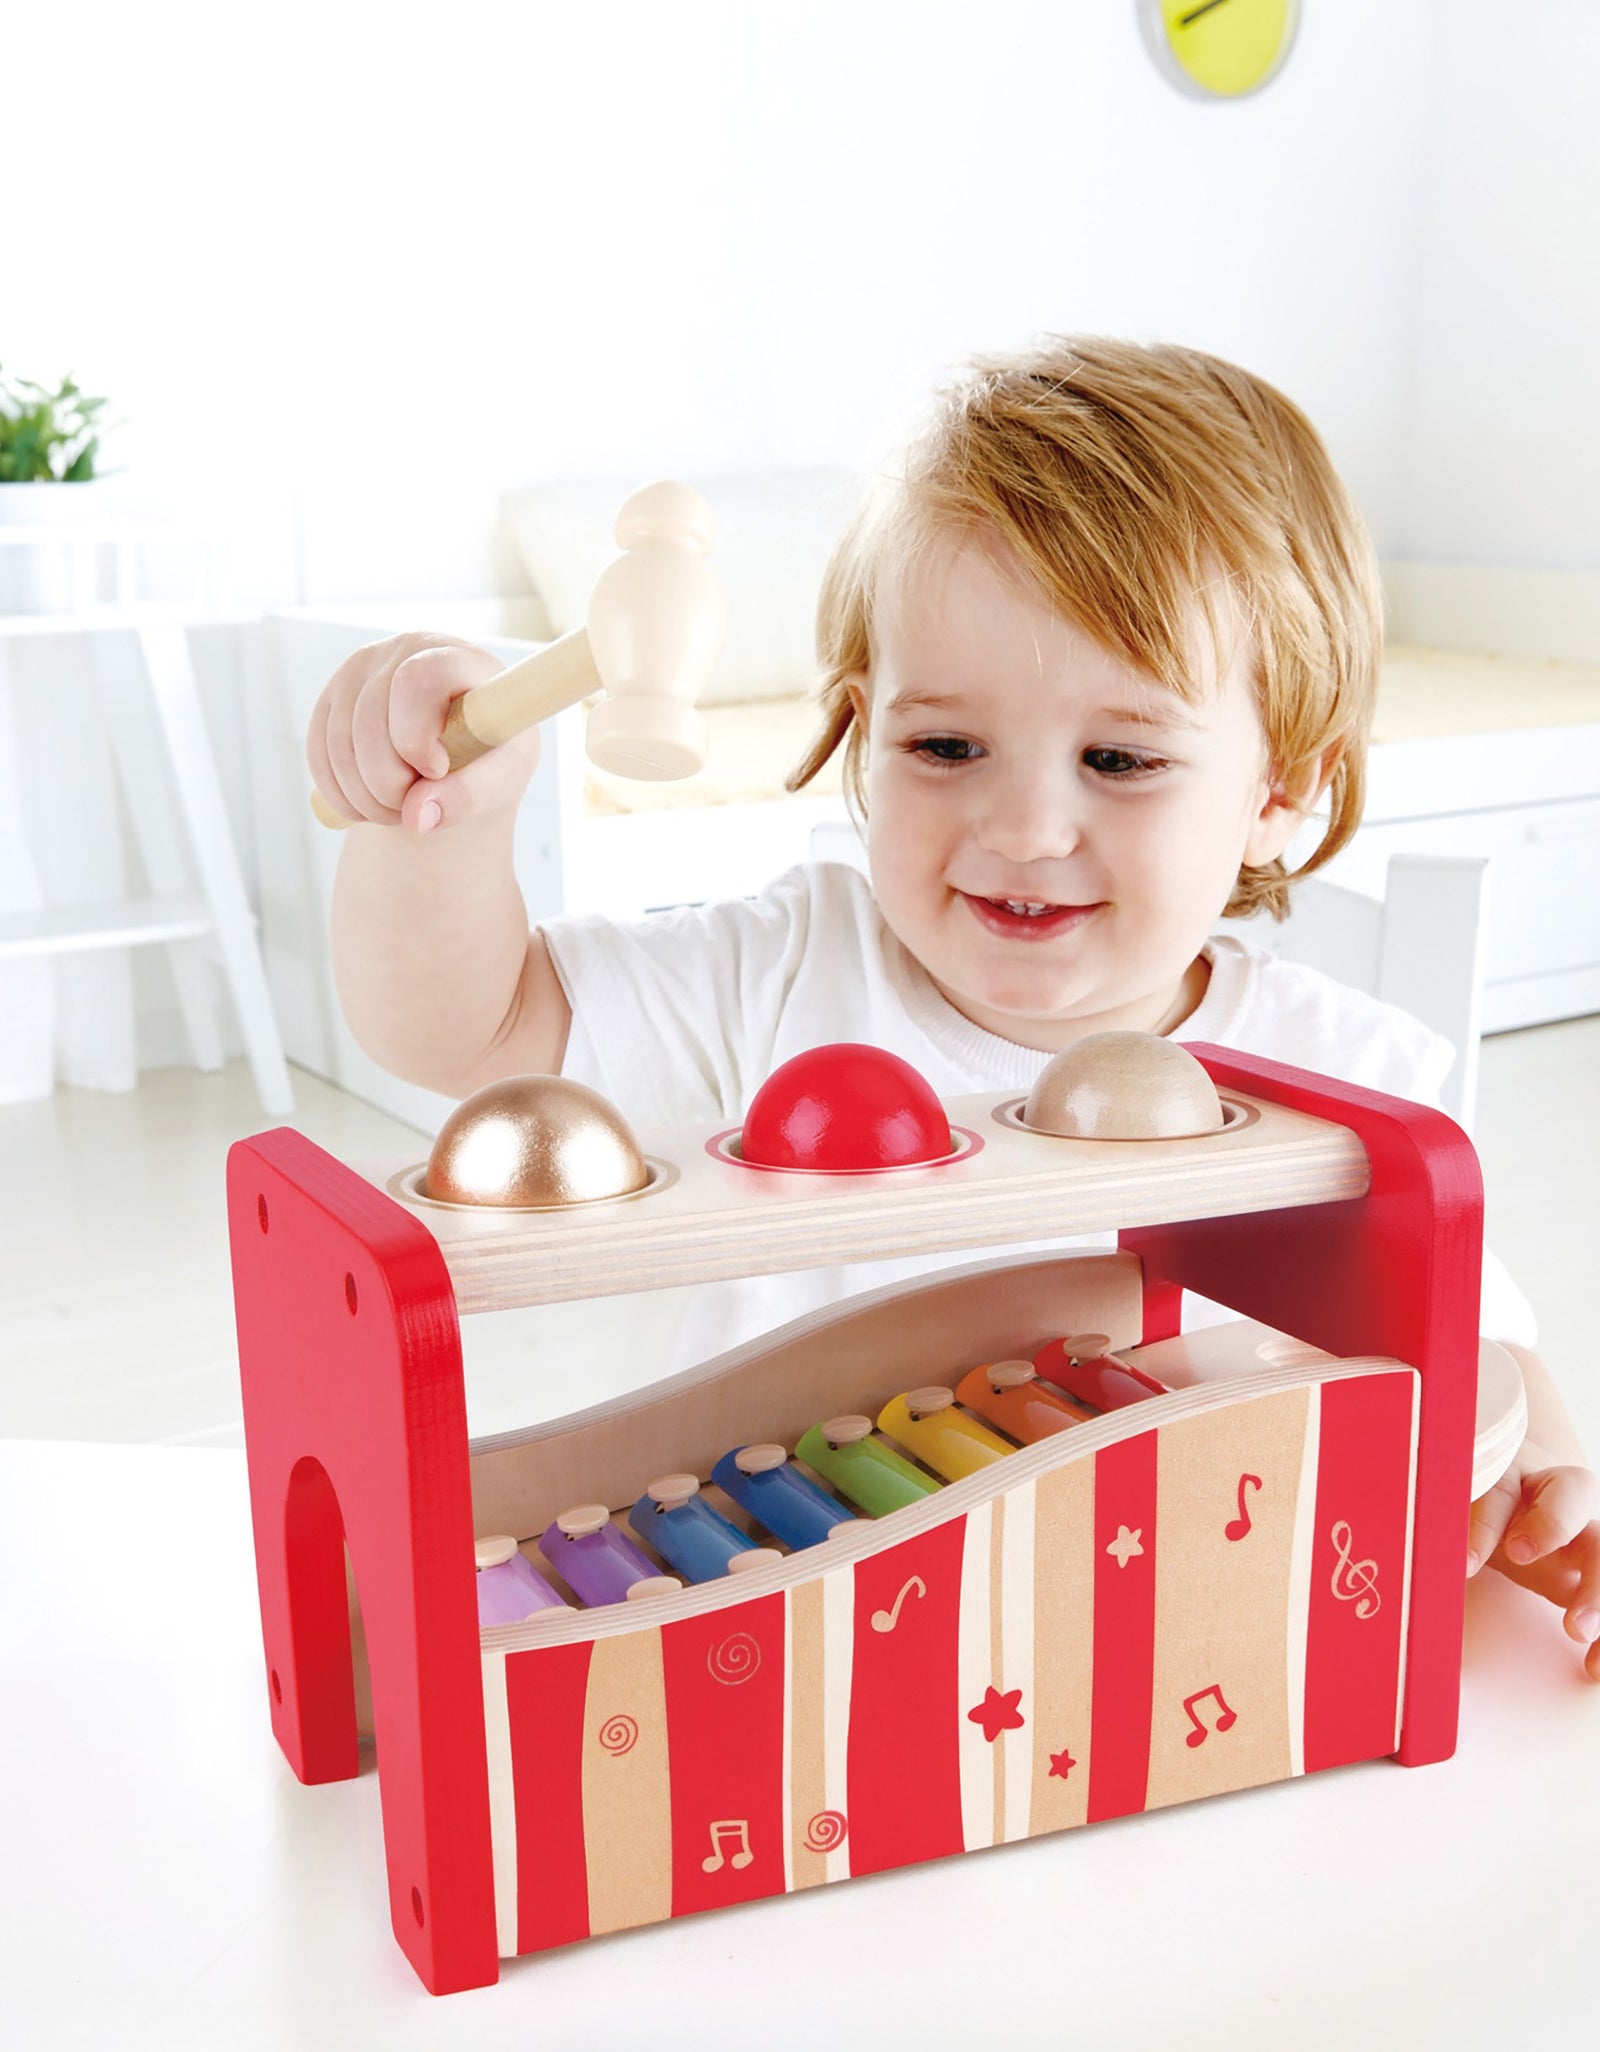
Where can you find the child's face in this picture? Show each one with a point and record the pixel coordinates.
(1012, 758)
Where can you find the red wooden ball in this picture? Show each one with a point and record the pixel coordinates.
(845, 1106)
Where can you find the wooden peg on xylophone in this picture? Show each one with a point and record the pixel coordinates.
(754, 1557)
(655, 624)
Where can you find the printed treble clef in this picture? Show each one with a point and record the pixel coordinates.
(1354, 1580)
(1237, 1527)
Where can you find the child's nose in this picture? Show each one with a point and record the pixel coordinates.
(1030, 817)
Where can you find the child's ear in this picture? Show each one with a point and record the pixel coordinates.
(1285, 805)
(855, 687)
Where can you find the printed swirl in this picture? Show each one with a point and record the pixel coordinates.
(825, 1831)
(735, 1660)
(619, 1734)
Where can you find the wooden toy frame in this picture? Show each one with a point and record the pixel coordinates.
(1072, 1634)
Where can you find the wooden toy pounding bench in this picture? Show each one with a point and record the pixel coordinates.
(1221, 1586)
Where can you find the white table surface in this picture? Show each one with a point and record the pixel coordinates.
(165, 1881)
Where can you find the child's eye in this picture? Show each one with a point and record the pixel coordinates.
(945, 751)
(1122, 763)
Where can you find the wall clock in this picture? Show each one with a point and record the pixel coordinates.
(1219, 49)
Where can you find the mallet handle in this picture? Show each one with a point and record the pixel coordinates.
(523, 696)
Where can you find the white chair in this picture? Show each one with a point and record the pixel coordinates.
(1419, 946)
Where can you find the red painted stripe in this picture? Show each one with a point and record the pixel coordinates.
(1124, 1627)
(724, 1683)
(903, 1771)
(545, 1691)
(1363, 1478)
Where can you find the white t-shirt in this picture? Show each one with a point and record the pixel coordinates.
(680, 1017)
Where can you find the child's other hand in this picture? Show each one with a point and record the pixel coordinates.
(1537, 1525)
(374, 745)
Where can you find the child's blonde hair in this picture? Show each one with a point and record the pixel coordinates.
(1130, 483)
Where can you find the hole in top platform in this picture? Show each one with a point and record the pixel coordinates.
(261, 1212)
(350, 1293)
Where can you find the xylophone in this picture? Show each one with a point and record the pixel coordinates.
(1250, 1568)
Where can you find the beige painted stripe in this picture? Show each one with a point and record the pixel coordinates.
(1063, 1645)
(1016, 1664)
(1405, 1580)
(502, 1802)
(1299, 1594)
(838, 1676)
(805, 1791)
(1221, 1639)
(627, 1808)
(973, 1672)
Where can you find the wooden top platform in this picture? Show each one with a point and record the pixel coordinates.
(708, 1219)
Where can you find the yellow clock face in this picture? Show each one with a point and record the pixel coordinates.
(1220, 48)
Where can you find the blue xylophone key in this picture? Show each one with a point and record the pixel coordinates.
(762, 1480)
(674, 1518)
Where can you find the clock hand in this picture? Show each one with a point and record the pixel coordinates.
(1194, 14)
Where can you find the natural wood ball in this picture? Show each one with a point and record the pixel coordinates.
(1124, 1086)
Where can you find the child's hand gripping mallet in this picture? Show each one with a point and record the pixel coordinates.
(655, 625)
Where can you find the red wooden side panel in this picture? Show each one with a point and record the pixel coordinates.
(1356, 1612)
(725, 1682)
(1396, 1272)
(1124, 1624)
(904, 1767)
(546, 1694)
(355, 1420)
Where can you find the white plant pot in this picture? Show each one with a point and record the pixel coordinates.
(40, 535)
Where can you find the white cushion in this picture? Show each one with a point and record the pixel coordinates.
(774, 533)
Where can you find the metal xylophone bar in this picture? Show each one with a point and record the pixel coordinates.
(920, 1441)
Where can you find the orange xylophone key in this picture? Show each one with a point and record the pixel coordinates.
(1009, 1394)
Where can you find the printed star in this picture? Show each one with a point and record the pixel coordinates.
(1126, 1544)
(1062, 1763)
(997, 1713)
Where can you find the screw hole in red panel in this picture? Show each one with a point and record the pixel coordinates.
(350, 1293)
(277, 1686)
(261, 1212)
(416, 1906)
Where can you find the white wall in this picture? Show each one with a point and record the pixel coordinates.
(351, 270)
(1503, 452)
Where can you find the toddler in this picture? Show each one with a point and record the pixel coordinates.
(1094, 653)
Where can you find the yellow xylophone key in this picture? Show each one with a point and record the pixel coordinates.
(926, 1423)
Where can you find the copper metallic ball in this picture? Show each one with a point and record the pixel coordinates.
(534, 1141)
(1124, 1086)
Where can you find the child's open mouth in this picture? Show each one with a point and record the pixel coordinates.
(1027, 918)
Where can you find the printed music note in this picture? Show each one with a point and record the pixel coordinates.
(1225, 1716)
(886, 1620)
(1354, 1580)
(1237, 1527)
(728, 1827)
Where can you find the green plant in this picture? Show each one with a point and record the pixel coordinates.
(46, 436)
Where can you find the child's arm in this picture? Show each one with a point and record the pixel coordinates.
(1538, 1524)
(438, 975)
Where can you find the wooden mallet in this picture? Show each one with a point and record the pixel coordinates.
(655, 625)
